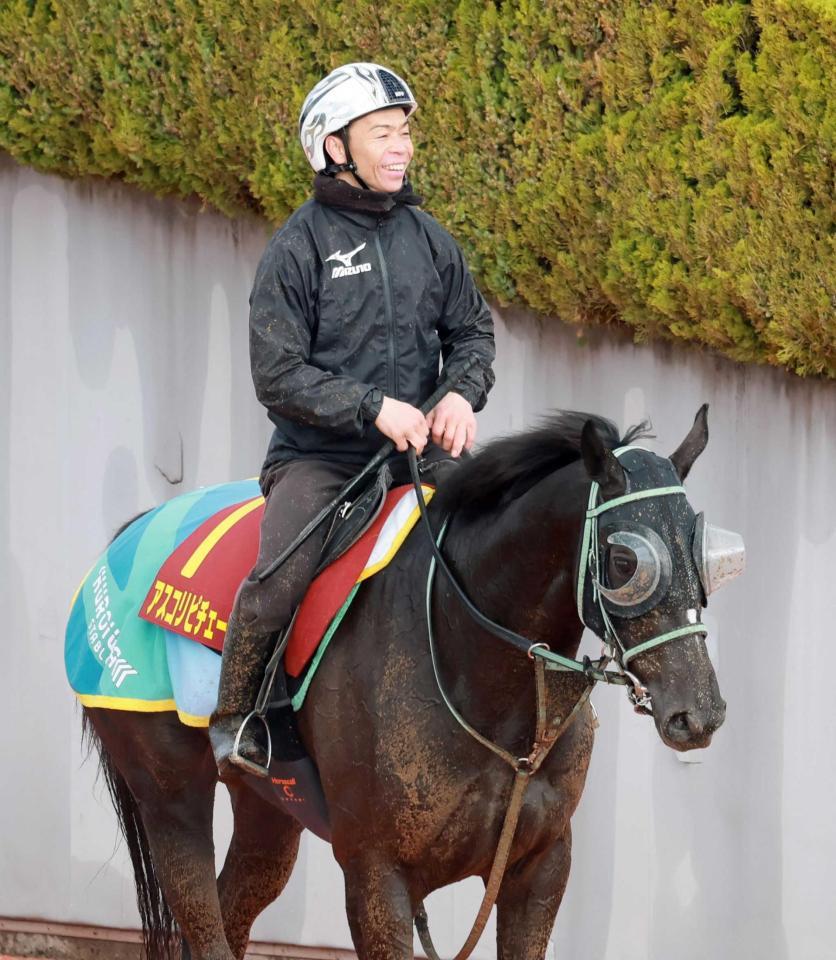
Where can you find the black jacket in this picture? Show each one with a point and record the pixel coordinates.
(359, 290)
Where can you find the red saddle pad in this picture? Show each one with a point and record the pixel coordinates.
(195, 588)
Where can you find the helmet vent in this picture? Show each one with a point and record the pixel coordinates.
(392, 87)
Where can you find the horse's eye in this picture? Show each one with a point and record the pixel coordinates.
(621, 565)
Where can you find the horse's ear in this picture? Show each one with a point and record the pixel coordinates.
(693, 445)
(601, 465)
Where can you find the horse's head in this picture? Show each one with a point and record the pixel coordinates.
(648, 565)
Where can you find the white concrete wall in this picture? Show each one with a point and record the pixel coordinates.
(123, 328)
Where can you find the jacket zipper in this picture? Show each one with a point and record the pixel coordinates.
(390, 317)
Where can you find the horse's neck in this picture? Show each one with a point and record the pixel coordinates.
(519, 564)
(518, 567)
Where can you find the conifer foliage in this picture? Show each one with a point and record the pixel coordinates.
(662, 164)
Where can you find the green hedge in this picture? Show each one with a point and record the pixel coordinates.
(665, 165)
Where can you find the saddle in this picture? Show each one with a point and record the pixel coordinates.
(149, 619)
(353, 518)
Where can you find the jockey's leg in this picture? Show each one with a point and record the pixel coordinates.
(528, 901)
(245, 655)
(261, 855)
(295, 493)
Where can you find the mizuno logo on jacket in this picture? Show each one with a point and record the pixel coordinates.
(347, 270)
(350, 271)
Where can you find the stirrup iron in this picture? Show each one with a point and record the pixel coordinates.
(242, 762)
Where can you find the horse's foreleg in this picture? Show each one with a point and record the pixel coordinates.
(528, 902)
(379, 910)
(171, 774)
(259, 861)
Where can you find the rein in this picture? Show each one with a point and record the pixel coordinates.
(592, 669)
(547, 731)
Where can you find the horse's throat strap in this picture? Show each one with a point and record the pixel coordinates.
(592, 670)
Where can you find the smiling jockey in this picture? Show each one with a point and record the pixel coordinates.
(357, 300)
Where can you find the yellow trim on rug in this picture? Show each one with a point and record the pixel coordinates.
(125, 703)
(141, 706)
(192, 565)
(190, 720)
(78, 588)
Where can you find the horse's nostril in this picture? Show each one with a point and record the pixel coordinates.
(684, 726)
(678, 723)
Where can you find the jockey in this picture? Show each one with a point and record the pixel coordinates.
(358, 298)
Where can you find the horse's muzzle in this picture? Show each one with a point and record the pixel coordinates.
(692, 729)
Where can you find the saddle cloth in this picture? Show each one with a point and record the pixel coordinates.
(170, 578)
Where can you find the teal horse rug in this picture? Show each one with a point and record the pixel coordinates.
(148, 620)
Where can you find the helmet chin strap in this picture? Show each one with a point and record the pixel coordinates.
(349, 166)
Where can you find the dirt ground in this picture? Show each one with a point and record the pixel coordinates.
(16, 946)
(39, 946)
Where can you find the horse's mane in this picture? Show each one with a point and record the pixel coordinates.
(508, 467)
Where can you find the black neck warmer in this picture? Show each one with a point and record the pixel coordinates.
(340, 193)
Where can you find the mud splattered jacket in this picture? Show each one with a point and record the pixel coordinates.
(359, 294)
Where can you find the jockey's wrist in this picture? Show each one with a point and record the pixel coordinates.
(466, 389)
(371, 404)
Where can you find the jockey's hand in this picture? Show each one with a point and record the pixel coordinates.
(403, 424)
(453, 424)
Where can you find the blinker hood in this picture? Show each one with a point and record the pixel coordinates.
(652, 575)
(720, 555)
(626, 568)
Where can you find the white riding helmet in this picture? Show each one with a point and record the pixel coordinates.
(345, 94)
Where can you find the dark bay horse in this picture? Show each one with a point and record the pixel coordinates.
(416, 803)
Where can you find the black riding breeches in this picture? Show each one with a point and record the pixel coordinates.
(296, 492)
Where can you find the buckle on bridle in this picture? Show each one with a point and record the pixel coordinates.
(639, 697)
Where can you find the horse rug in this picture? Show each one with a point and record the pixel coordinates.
(148, 620)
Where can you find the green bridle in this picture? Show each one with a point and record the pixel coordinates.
(594, 670)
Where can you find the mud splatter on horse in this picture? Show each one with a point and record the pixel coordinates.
(415, 801)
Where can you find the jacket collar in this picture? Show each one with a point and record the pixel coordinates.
(345, 196)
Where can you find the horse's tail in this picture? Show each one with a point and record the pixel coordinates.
(160, 934)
